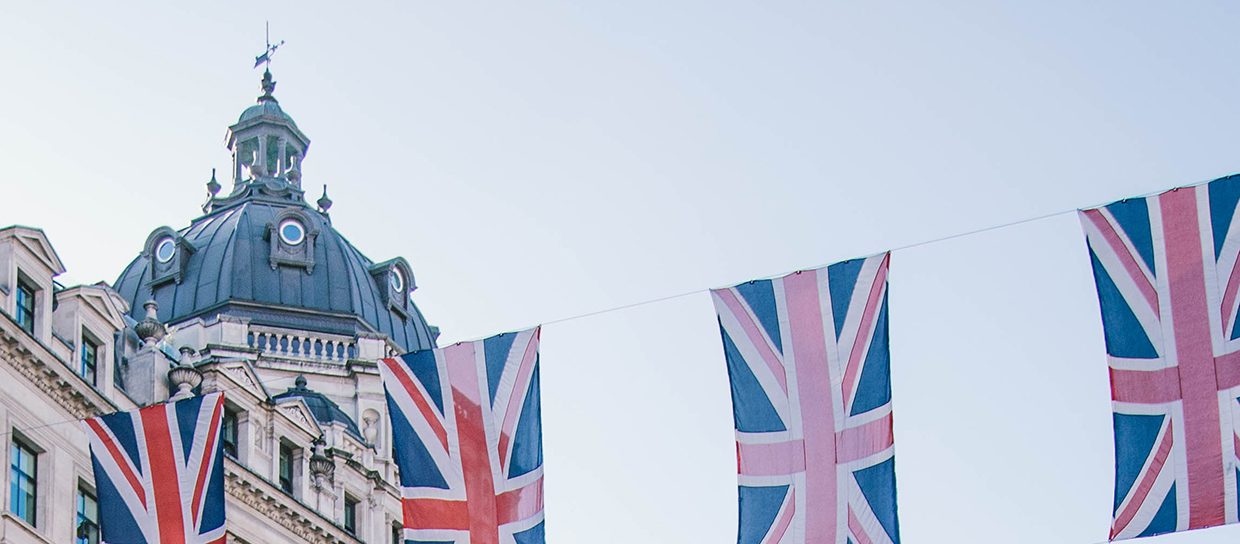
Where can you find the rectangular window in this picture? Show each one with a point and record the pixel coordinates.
(87, 530)
(25, 307)
(228, 434)
(23, 482)
(398, 534)
(286, 468)
(90, 359)
(118, 376)
(350, 514)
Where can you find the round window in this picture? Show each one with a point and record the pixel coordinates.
(397, 280)
(165, 250)
(292, 232)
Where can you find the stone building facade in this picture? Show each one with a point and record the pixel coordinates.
(260, 298)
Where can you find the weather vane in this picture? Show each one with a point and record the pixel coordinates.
(265, 58)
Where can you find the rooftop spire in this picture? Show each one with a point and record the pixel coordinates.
(269, 85)
(265, 58)
(266, 145)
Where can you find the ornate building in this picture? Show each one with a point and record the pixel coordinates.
(259, 297)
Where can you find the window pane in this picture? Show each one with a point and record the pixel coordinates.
(25, 307)
(350, 514)
(22, 470)
(87, 527)
(286, 469)
(90, 353)
(228, 433)
(14, 497)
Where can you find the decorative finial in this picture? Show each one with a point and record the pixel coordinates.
(150, 330)
(184, 377)
(269, 86)
(324, 202)
(300, 382)
(213, 186)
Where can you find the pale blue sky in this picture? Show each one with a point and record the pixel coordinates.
(540, 160)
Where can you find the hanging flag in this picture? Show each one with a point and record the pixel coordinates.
(159, 473)
(467, 430)
(1165, 269)
(811, 399)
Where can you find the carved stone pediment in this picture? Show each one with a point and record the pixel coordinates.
(34, 241)
(234, 377)
(295, 410)
(105, 305)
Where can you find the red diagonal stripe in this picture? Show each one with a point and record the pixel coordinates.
(755, 334)
(780, 527)
(1141, 489)
(857, 530)
(1235, 444)
(517, 398)
(1126, 258)
(204, 466)
(1229, 298)
(119, 458)
(411, 389)
(864, 329)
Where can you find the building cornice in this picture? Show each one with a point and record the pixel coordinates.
(46, 371)
(263, 497)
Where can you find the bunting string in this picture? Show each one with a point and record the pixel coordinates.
(931, 241)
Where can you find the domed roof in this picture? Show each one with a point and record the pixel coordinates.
(324, 409)
(234, 261)
(267, 108)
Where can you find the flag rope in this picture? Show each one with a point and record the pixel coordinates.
(780, 274)
(912, 245)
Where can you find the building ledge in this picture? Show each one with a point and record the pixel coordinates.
(17, 531)
(30, 357)
(264, 497)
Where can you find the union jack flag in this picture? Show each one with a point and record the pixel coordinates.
(467, 426)
(1167, 277)
(811, 399)
(159, 473)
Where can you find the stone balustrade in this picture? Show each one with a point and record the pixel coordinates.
(302, 345)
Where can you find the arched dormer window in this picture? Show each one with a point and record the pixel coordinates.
(292, 237)
(395, 281)
(168, 253)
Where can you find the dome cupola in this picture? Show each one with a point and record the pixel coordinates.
(266, 144)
